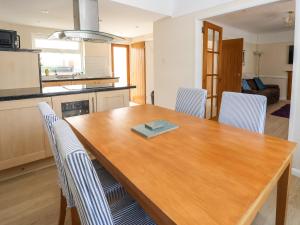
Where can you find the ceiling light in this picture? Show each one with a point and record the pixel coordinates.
(44, 11)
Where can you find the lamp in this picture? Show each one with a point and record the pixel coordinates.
(259, 55)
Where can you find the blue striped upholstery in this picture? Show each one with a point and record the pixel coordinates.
(245, 111)
(86, 188)
(191, 101)
(113, 190)
(49, 118)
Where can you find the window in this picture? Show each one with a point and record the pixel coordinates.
(59, 57)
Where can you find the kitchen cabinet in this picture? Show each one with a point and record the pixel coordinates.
(22, 136)
(58, 100)
(112, 100)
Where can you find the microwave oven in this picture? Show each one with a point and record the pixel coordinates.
(9, 40)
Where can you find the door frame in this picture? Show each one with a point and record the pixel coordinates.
(128, 60)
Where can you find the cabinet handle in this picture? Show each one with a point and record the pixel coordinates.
(93, 105)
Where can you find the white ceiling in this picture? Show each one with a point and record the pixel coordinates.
(173, 7)
(118, 19)
(262, 19)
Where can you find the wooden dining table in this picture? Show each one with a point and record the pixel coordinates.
(204, 172)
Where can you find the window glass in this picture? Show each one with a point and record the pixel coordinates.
(60, 63)
(59, 57)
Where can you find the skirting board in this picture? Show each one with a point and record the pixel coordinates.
(296, 172)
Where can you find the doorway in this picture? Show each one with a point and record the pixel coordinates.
(121, 63)
(138, 73)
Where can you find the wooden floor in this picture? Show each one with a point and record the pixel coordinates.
(275, 125)
(33, 197)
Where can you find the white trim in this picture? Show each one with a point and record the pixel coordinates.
(249, 76)
(296, 172)
(274, 76)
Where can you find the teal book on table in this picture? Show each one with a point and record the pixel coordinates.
(154, 128)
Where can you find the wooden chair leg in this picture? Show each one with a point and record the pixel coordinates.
(63, 208)
(75, 216)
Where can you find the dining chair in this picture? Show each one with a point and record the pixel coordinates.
(246, 111)
(89, 197)
(112, 189)
(191, 101)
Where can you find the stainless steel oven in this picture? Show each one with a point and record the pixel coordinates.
(76, 108)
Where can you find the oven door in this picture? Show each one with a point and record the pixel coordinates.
(76, 108)
(74, 105)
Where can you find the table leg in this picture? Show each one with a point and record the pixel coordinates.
(282, 196)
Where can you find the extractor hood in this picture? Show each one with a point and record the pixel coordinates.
(86, 25)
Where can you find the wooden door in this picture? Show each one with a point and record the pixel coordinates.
(232, 65)
(138, 73)
(212, 54)
(289, 85)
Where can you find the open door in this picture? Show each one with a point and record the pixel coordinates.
(232, 65)
(212, 54)
(138, 73)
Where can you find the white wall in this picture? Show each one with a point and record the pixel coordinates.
(178, 50)
(149, 70)
(97, 55)
(174, 54)
(294, 128)
(26, 32)
(97, 59)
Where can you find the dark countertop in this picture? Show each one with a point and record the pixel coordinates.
(78, 78)
(27, 93)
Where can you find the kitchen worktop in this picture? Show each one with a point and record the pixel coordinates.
(36, 92)
(70, 78)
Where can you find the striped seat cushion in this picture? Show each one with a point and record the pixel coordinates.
(86, 187)
(246, 111)
(113, 190)
(191, 101)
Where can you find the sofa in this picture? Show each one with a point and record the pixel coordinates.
(256, 86)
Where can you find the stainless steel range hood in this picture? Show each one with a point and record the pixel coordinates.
(86, 25)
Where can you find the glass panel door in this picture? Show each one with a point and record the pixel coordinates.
(212, 50)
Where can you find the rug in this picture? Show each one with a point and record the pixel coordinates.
(284, 111)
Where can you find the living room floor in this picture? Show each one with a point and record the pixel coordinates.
(275, 125)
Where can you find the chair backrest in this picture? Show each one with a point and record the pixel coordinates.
(50, 118)
(191, 101)
(245, 111)
(87, 191)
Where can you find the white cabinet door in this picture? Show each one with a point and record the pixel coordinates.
(22, 135)
(112, 99)
(58, 100)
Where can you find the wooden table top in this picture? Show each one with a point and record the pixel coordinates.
(201, 173)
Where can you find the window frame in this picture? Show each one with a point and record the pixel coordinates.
(80, 51)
